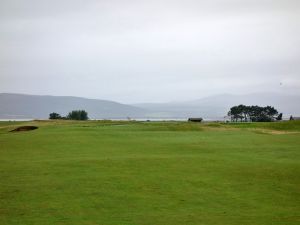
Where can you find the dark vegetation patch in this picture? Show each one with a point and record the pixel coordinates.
(24, 128)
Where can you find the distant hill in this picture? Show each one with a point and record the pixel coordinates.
(216, 107)
(20, 106)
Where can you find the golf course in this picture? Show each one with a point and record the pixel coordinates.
(149, 173)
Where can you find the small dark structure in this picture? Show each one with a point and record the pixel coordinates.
(199, 120)
(24, 128)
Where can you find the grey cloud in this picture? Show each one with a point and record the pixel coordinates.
(151, 50)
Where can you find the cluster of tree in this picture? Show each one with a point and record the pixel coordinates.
(254, 113)
(74, 115)
(78, 115)
(55, 116)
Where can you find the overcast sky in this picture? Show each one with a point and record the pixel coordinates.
(149, 51)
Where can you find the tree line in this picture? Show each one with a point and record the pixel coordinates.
(73, 115)
(255, 113)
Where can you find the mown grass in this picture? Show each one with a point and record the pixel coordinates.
(148, 173)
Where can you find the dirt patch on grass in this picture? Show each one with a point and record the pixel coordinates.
(24, 128)
(278, 132)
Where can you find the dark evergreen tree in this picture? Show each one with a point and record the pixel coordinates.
(78, 115)
(54, 116)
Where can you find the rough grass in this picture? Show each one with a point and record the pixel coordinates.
(283, 125)
(149, 173)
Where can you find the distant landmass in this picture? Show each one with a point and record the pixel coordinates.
(216, 107)
(21, 106)
(18, 106)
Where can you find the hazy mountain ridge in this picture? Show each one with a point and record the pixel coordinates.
(217, 106)
(14, 106)
(39, 107)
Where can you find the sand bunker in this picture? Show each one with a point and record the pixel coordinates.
(24, 128)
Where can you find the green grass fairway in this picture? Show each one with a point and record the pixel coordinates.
(151, 173)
